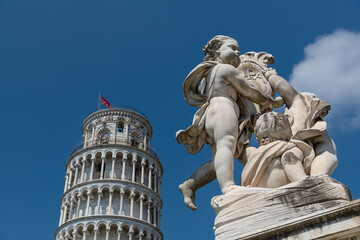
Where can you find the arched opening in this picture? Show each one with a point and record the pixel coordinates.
(135, 139)
(103, 137)
(120, 127)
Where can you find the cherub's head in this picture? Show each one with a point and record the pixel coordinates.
(272, 126)
(223, 49)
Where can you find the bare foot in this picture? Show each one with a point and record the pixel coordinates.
(189, 195)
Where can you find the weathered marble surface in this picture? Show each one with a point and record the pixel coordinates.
(248, 211)
(235, 94)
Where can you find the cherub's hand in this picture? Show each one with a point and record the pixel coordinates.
(270, 72)
(268, 105)
(279, 102)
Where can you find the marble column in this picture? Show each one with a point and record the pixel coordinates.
(150, 173)
(61, 215)
(142, 197)
(88, 204)
(71, 207)
(99, 201)
(133, 169)
(92, 169)
(132, 195)
(122, 192)
(78, 206)
(82, 170)
(92, 135)
(65, 213)
(145, 142)
(143, 163)
(131, 233)
(141, 235)
(102, 168)
(154, 214)
(84, 234)
(76, 174)
(119, 231)
(123, 169)
(113, 168)
(66, 181)
(126, 126)
(148, 210)
(155, 180)
(70, 177)
(107, 233)
(110, 202)
(95, 234)
(85, 139)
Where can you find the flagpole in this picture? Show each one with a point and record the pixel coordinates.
(99, 101)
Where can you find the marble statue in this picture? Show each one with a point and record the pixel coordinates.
(235, 95)
(221, 119)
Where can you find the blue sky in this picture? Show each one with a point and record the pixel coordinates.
(55, 57)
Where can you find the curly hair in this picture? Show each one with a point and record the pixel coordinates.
(213, 45)
(272, 126)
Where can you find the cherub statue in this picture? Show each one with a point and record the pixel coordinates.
(305, 111)
(279, 159)
(221, 91)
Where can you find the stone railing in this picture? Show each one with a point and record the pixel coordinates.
(122, 142)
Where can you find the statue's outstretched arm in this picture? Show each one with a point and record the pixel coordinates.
(283, 88)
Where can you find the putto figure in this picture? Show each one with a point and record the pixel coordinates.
(279, 159)
(232, 91)
(222, 93)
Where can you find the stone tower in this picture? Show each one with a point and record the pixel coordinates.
(112, 182)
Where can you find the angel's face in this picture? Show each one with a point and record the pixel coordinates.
(229, 52)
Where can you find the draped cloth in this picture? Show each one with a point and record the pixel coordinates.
(312, 126)
(197, 90)
(256, 166)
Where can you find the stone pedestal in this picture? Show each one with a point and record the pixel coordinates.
(314, 208)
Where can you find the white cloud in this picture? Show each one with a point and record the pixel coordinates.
(331, 70)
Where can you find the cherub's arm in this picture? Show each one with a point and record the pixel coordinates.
(241, 85)
(282, 87)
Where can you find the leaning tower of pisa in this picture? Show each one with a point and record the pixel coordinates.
(112, 182)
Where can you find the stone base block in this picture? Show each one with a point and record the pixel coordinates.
(318, 207)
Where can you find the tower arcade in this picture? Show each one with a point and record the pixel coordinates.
(113, 179)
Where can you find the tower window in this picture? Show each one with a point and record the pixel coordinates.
(120, 127)
(105, 139)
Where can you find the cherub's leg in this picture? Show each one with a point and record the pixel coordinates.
(224, 163)
(292, 164)
(202, 176)
(325, 161)
(222, 126)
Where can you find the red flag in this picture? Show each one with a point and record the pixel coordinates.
(106, 103)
